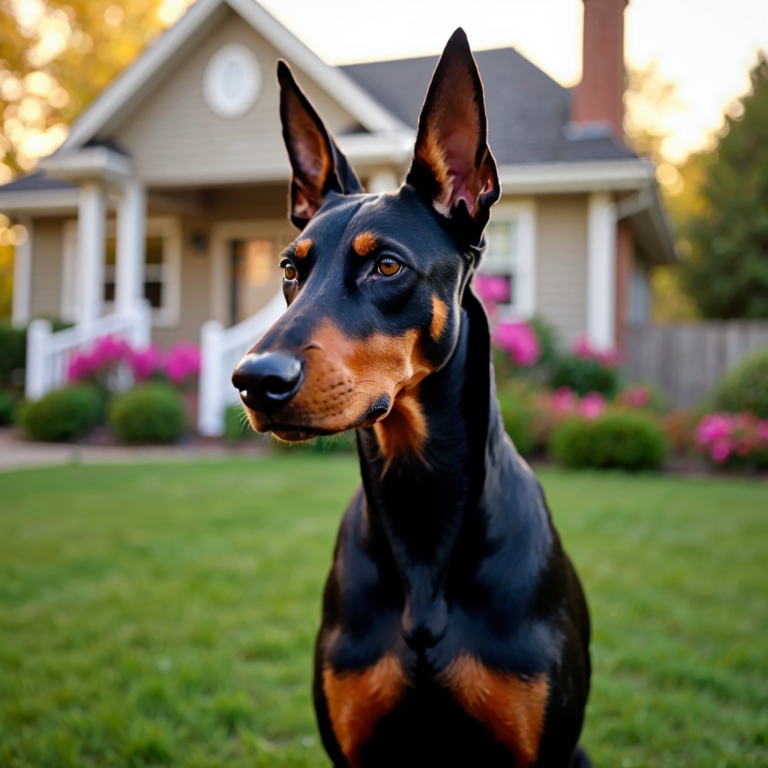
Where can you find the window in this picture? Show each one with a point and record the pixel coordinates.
(511, 256)
(162, 270)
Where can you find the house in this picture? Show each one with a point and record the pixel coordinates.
(171, 188)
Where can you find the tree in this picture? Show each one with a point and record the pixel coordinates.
(55, 57)
(727, 269)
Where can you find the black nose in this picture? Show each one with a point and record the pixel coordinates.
(267, 382)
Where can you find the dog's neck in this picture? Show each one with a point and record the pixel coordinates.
(419, 505)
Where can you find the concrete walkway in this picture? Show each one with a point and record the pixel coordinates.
(17, 453)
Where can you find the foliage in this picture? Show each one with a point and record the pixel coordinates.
(13, 352)
(519, 342)
(644, 397)
(734, 439)
(745, 387)
(516, 413)
(62, 414)
(170, 610)
(148, 413)
(55, 57)
(182, 364)
(727, 271)
(679, 426)
(111, 362)
(588, 370)
(629, 441)
(236, 426)
(7, 407)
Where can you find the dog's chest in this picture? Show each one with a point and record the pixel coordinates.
(466, 707)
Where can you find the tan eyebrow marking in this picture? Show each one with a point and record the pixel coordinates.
(365, 243)
(439, 318)
(302, 248)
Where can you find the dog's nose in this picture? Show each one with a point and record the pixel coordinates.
(267, 382)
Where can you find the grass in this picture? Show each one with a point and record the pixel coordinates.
(164, 615)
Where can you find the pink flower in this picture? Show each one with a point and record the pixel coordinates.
(592, 405)
(147, 362)
(519, 341)
(636, 396)
(564, 400)
(713, 427)
(582, 347)
(100, 360)
(182, 362)
(723, 435)
(492, 289)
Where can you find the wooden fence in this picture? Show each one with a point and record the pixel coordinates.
(686, 359)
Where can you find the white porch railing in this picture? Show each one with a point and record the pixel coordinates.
(220, 351)
(49, 353)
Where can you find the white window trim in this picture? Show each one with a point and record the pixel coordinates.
(522, 211)
(167, 227)
(222, 235)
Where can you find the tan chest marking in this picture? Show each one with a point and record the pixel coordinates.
(358, 700)
(511, 708)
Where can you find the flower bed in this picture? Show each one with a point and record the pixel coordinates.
(738, 440)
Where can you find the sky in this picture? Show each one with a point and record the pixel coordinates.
(705, 47)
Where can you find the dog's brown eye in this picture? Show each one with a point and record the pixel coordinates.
(289, 271)
(389, 267)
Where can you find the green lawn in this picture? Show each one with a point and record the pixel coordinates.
(165, 614)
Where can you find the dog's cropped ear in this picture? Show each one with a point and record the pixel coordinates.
(452, 167)
(319, 167)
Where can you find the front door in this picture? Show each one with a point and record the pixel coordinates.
(255, 276)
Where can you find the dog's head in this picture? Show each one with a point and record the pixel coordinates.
(374, 283)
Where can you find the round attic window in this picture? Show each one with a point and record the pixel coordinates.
(232, 81)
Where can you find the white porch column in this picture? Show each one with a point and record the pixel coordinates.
(22, 278)
(91, 229)
(601, 271)
(131, 230)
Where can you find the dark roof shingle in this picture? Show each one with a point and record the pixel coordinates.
(527, 109)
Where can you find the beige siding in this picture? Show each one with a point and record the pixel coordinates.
(561, 263)
(175, 138)
(228, 204)
(47, 246)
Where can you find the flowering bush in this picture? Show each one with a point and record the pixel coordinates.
(182, 365)
(103, 364)
(566, 403)
(491, 289)
(114, 365)
(733, 439)
(587, 369)
(147, 363)
(519, 341)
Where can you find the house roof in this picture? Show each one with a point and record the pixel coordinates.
(528, 112)
(135, 82)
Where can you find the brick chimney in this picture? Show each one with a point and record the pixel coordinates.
(599, 97)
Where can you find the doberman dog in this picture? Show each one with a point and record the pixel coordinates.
(454, 631)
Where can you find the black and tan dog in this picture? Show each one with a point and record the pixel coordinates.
(455, 631)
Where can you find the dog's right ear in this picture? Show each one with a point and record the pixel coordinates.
(318, 165)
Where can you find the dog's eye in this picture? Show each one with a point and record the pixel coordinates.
(289, 271)
(388, 267)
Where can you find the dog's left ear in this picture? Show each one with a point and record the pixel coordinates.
(452, 167)
(319, 166)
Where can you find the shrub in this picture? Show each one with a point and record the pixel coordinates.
(7, 408)
(148, 413)
(586, 369)
(517, 423)
(13, 352)
(236, 426)
(734, 439)
(630, 441)
(62, 414)
(745, 387)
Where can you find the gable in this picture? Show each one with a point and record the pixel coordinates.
(175, 138)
